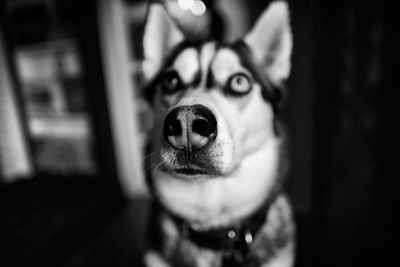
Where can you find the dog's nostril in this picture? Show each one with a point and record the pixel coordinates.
(203, 127)
(173, 127)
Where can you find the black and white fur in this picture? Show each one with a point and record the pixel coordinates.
(217, 178)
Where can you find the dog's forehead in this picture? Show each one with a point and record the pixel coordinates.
(225, 63)
(193, 60)
(187, 63)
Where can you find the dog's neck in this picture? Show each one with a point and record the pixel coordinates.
(234, 241)
(246, 226)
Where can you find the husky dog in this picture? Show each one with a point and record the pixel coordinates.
(217, 156)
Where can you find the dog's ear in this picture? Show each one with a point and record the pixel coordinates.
(271, 41)
(160, 35)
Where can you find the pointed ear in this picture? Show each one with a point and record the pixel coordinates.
(160, 35)
(271, 41)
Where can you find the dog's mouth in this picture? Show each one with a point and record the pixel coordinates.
(189, 171)
(199, 163)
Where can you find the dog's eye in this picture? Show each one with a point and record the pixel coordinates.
(171, 82)
(239, 84)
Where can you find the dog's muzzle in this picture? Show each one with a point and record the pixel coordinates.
(190, 128)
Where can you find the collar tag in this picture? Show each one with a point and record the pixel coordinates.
(236, 247)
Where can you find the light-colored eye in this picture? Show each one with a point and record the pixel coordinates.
(170, 82)
(239, 84)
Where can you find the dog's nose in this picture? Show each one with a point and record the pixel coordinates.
(190, 127)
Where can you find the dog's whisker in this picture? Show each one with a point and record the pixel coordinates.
(147, 157)
(155, 169)
(153, 164)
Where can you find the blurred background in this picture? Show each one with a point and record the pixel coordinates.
(73, 127)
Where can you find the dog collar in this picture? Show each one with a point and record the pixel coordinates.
(233, 241)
